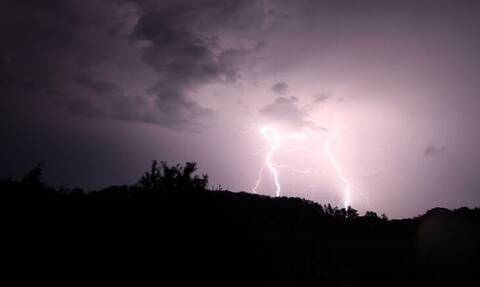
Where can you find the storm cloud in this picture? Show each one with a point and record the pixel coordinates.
(67, 51)
(184, 48)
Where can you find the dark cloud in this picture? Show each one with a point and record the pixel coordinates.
(280, 88)
(65, 51)
(110, 100)
(99, 87)
(185, 50)
(432, 150)
(50, 50)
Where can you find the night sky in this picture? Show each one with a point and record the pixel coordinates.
(95, 90)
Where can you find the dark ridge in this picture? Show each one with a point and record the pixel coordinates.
(171, 229)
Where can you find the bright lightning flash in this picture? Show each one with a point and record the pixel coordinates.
(275, 139)
(330, 150)
(331, 156)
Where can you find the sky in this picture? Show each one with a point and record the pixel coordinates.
(374, 100)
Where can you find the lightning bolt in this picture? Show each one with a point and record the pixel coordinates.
(330, 150)
(259, 180)
(331, 156)
(271, 135)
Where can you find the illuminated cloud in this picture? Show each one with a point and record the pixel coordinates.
(286, 111)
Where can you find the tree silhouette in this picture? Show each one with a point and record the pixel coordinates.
(384, 217)
(351, 213)
(34, 176)
(371, 215)
(151, 180)
(165, 178)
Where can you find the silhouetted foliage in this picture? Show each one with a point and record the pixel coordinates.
(371, 214)
(34, 176)
(164, 178)
(351, 213)
(384, 217)
(170, 228)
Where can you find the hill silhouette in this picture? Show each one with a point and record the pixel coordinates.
(171, 228)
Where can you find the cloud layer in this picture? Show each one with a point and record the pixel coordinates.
(66, 51)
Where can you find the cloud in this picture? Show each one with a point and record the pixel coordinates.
(432, 150)
(320, 97)
(280, 88)
(185, 50)
(99, 87)
(92, 57)
(286, 110)
(108, 100)
(50, 54)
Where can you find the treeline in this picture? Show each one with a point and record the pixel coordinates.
(162, 178)
(171, 226)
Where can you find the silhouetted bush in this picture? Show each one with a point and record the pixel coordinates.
(34, 177)
(166, 178)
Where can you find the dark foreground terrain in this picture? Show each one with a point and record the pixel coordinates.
(170, 230)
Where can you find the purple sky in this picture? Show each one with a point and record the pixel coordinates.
(97, 89)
